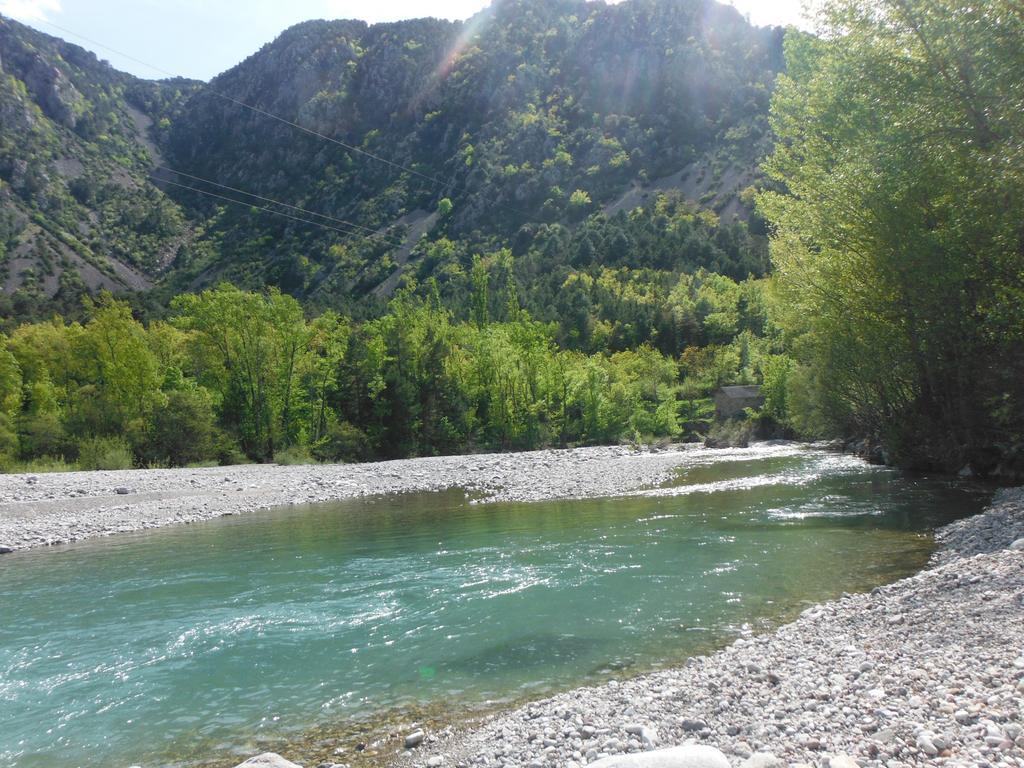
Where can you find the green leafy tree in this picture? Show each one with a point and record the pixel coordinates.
(116, 369)
(256, 344)
(898, 234)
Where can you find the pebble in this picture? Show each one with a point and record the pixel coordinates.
(414, 739)
(763, 760)
(689, 756)
(925, 744)
(267, 760)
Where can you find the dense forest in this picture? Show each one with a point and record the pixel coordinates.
(235, 376)
(557, 223)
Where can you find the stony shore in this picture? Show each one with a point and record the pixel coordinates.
(58, 508)
(925, 671)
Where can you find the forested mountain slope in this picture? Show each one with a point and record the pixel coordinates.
(538, 126)
(77, 209)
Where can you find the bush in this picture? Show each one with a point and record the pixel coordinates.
(8, 440)
(182, 429)
(227, 452)
(38, 466)
(43, 435)
(104, 453)
(731, 434)
(295, 454)
(343, 442)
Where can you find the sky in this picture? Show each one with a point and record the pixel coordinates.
(201, 38)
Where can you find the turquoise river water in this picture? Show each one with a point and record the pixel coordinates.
(152, 649)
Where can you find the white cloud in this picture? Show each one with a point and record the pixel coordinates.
(29, 10)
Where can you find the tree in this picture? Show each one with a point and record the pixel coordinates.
(579, 203)
(255, 346)
(899, 231)
(182, 429)
(10, 401)
(116, 368)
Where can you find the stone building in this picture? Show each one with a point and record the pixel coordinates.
(731, 401)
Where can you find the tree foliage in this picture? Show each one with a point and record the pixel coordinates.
(237, 375)
(898, 237)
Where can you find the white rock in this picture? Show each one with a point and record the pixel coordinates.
(690, 756)
(1018, 544)
(267, 760)
(763, 760)
(414, 739)
(924, 743)
(649, 737)
(842, 761)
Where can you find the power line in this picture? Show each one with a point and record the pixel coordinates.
(345, 222)
(266, 208)
(259, 111)
(373, 232)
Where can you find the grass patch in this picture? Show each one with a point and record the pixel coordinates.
(38, 466)
(294, 455)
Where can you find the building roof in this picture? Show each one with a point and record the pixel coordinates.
(742, 392)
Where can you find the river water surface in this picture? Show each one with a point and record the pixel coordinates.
(152, 649)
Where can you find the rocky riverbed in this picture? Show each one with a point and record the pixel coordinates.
(58, 508)
(925, 671)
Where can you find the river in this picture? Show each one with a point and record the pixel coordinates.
(157, 648)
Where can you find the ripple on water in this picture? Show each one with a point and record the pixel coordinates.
(232, 634)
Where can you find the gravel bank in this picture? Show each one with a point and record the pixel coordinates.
(926, 671)
(58, 508)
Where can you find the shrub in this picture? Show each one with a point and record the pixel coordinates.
(8, 440)
(104, 453)
(343, 442)
(38, 466)
(43, 435)
(731, 434)
(227, 452)
(294, 454)
(182, 429)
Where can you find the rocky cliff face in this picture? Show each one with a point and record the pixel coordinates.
(532, 115)
(77, 209)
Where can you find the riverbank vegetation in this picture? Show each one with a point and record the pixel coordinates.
(898, 228)
(234, 375)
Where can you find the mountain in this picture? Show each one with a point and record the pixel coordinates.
(538, 126)
(77, 209)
